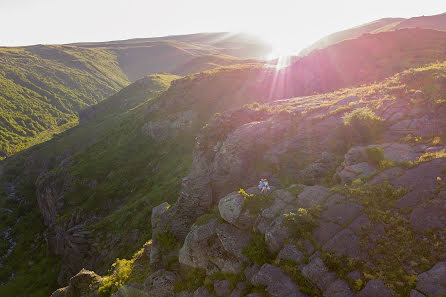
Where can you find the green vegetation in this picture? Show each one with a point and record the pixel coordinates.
(361, 126)
(342, 266)
(192, 280)
(292, 270)
(166, 241)
(399, 255)
(375, 154)
(257, 250)
(123, 271)
(43, 87)
(256, 203)
(301, 222)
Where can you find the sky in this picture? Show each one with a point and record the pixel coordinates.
(287, 24)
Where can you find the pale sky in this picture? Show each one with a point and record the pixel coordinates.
(286, 23)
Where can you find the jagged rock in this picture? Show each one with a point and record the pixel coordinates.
(61, 292)
(423, 177)
(413, 198)
(160, 283)
(430, 216)
(272, 211)
(185, 294)
(337, 244)
(133, 290)
(325, 231)
(275, 235)
(360, 170)
(375, 287)
(251, 271)
(312, 196)
(318, 170)
(284, 196)
(83, 284)
(221, 287)
(342, 213)
(291, 253)
(170, 126)
(158, 215)
(231, 207)
(415, 293)
(318, 273)
(276, 281)
(386, 175)
(433, 282)
(360, 223)
(233, 240)
(194, 250)
(339, 288)
(354, 275)
(203, 292)
(238, 290)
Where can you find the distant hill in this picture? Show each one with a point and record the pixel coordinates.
(44, 87)
(435, 22)
(350, 34)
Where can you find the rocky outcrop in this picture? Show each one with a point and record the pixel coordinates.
(171, 126)
(277, 282)
(83, 284)
(433, 281)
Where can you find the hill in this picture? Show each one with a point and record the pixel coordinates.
(84, 197)
(350, 34)
(44, 87)
(435, 22)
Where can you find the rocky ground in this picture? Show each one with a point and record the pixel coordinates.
(347, 216)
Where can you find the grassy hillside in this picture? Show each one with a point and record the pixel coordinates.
(435, 22)
(109, 151)
(44, 87)
(351, 33)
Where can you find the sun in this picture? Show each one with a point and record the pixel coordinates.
(281, 45)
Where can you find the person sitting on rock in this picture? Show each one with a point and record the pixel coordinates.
(261, 184)
(265, 187)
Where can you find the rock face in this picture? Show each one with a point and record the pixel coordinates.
(375, 287)
(83, 284)
(160, 283)
(171, 126)
(277, 283)
(433, 282)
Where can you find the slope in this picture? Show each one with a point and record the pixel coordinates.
(434, 22)
(44, 87)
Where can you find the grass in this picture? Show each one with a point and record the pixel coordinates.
(255, 203)
(301, 222)
(257, 250)
(293, 271)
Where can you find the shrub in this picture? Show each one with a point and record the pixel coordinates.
(257, 250)
(193, 279)
(256, 203)
(360, 126)
(375, 154)
(121, 273)
(166, 241)
(301, 222)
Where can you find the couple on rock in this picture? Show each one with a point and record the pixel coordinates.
(264, 186)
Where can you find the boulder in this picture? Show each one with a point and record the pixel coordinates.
(433, 281)
(374, 288)
(312, 196)
(337, 244)
(342, 213)
(134, 290)
(238, 290)
(84, 284)
(325, 231)
(202, 292)
(221, 287)
(231, 207)
(160, 283)
(277, 283)
(429, 216)
(318, 273)
(415, 293)
(233, 240)
(339, 288)
(290, 253)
